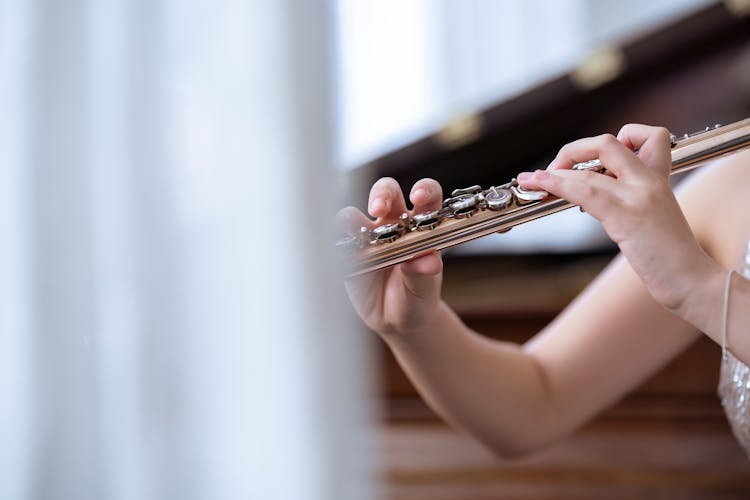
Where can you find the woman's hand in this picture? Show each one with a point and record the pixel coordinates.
(401, 299)
(635, 205)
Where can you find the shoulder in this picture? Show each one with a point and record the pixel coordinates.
(716, 203)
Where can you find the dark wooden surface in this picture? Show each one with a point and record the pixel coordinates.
(605, 460)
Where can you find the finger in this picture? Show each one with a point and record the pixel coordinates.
(426, 195)
(613, 154)
(386, 199)
(351, 219)
(596, 193)
(653, 144)
(422, 274)
(531, 180)
(635, 135)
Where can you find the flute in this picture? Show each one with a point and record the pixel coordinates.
(473, 212)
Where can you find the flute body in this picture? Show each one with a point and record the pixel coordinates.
(474, 212)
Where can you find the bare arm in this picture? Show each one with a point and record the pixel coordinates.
(724, 216)
(518, 399)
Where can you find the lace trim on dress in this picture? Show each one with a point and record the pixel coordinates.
(734, 385)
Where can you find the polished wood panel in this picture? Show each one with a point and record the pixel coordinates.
(623, 459)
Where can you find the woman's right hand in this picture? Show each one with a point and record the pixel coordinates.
(402, 299)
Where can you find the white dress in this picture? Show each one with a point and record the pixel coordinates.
(734, 384)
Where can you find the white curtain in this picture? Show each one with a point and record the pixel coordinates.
(170, 324)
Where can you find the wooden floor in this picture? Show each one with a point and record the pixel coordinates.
(613, 459)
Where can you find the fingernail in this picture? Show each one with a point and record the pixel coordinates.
(420, 193)
(376, 205)
(524, 176)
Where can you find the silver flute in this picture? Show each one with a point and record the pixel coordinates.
(474, 212)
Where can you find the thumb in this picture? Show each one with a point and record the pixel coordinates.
(422, 276)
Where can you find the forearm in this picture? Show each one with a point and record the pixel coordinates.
(491, 389)
(704, 308)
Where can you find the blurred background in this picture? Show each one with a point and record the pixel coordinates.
(172, 321)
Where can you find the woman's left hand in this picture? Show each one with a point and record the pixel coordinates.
(635, 204)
